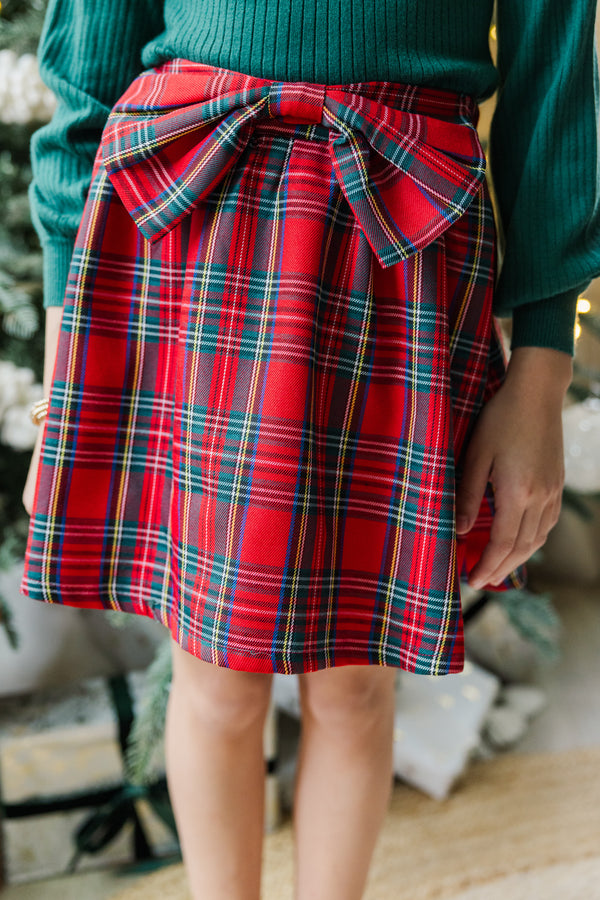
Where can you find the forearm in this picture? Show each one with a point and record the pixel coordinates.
(543, 151)
(53, 320)
(88, 53)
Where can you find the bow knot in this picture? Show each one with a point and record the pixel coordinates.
(406, 175)
(297, 101)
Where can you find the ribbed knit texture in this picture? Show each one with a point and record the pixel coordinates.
(544, 142)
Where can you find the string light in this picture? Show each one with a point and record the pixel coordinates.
(577, 330)
(493, 33)
(583, 305)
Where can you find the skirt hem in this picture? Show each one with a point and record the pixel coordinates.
(232, 656)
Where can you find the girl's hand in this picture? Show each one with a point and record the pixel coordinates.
(517, 445)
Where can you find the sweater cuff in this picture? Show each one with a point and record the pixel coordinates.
(547, 323)
(57, 260)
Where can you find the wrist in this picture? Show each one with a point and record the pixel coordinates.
(542, 364)
(542, 372)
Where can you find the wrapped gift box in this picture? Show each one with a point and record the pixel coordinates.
(438, 725)
(60, 748)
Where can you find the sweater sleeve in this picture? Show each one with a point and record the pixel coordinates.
(544, 156)
(88, 54)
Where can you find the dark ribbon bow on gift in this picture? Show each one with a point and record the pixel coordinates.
(104, 824)
(113, 806)
(164, 159)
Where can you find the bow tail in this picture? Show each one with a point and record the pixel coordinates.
(367, 181)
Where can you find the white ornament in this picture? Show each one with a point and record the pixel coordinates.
(581, 432)
(504, 726)
(18, 391)
(17, 428)
(23, 95)
(527, 700)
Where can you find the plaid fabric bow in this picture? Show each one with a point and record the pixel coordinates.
(165, 150)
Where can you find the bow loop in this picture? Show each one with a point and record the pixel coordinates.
(163, 165)
(434, 169)
(406, 176)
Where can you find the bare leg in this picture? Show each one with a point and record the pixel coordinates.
(216, 774)
(344, 778)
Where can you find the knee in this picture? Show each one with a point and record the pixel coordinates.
(353, 695)
(221, 698)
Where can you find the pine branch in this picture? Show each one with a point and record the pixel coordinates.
(22, 22)
(120, 619)
(147, 732)
(535, 618)
(7, 622)
(18, 315)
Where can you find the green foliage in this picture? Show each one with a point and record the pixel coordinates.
(147, 732)
(21, 306)
(20, 25)
(535, 618)
(6, 620)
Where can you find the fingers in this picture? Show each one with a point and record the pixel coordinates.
(518, 530)
(525, 466)
(505, 527)
(470, 492)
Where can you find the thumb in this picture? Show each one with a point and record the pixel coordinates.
(470, 491)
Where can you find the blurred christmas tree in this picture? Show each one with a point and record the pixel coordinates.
(25, 104)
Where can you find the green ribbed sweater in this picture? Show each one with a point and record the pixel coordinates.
(544, 149)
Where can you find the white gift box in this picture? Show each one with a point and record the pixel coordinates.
(60, 743)
(437, 723)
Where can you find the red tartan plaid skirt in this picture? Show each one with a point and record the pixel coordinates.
(276, 339)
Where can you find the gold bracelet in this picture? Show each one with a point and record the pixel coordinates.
(39, 410)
